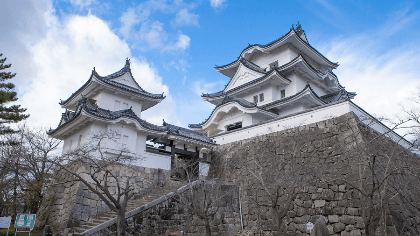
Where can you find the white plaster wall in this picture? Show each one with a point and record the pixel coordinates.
(285, 123)
(243, 75)
(74, 138)
(234, 117)
(292, 109)
(107, 101)
(266, 89)
(86, 132)
(310, 117)
(258, 119)
(141, 143)
(126, 79)
(295, 52)
(283, 55)
(123, 130)
(153, 160)
(298, 84)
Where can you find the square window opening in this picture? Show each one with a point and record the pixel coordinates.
(234, 126)
(255, 99)
(261, 97)
(282, 93)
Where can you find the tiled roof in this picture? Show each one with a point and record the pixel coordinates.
(107, 80)
(247, 64)
(293, 96)
(89, 106)
(338, 96)
(279, 39)
(173, 129)
(221, 93)
(228, 99)
(251, 65)
(329, 98)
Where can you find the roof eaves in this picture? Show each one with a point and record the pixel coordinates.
(294, 96)
(228, 99)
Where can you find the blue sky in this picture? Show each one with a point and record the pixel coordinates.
(174, 46)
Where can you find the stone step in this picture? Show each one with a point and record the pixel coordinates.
(92, 223)
(98, 221)
(131, 205)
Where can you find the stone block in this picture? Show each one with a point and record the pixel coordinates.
(327, 194)
(342, 188)
(333, 218)
(356, 232)
(338, 227)
(307, 204)
(347, 220)
(352, 211)
(291, 214)
(350, 228)
(319, 203)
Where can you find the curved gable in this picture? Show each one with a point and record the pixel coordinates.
(242, 76)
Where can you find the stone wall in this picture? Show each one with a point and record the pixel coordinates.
(330, 160)
(70, 203)
(170, 213)
(326, 163)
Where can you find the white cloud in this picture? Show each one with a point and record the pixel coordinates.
(382, 81)
(184, 18)
(128, 20)
(64, 59)
(217, 3)
(182, 44)
(139, 28)
(199, 87)
(82, 3)
(153, 34)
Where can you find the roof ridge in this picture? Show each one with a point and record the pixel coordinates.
(106, 79)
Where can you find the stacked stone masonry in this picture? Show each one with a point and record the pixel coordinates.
(171, 214)
(330, 155)
(70, 204)
(326, 151)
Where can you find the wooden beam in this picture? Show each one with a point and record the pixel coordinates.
(172, 154)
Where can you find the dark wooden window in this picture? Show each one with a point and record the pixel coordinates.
(261, 97)
(282, 93)
(234, 126)
(255, 99)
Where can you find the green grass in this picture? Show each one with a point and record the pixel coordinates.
(34, 232)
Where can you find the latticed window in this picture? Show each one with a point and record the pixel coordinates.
(261, 97)
(255, 99)
(234, 126)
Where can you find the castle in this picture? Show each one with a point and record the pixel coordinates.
(280, 94)
(279, 85)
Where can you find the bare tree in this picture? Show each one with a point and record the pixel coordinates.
(40, 150)
(25, 168)
(94, 165)
(204, 198)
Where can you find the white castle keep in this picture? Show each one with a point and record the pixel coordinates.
(283, 84)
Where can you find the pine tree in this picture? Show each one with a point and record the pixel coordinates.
(13, 113)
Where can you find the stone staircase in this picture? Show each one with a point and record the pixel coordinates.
(133, 207)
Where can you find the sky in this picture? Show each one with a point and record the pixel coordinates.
(174, 45)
